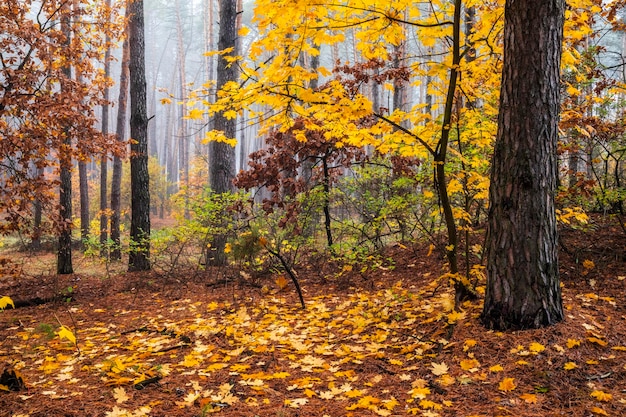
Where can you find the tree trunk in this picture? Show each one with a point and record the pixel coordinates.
(83, 189)
(139, 257)
(116, 180)
(222, 155)
(64, 254)
(522, 265)
(104, 172)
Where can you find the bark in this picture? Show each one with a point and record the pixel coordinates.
(521, 250)
(64, 254)
(222, 155)
(116, 179)
(83, 189)
(183, 142)
(462, 292)
(139, 257)
(104, 172)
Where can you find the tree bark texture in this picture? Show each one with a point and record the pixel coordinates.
(116, 179)
(222, 155)
(139, 257)
(522, 264)
(64, 253)
(104, 172)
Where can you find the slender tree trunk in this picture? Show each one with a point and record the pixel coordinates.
(139, 257)
(183, 140)
(222, 155)
(37, 215)
(64, 255)
(462, 291)
(104, 172)
(522, 265)
(116, 180)
(83, 188)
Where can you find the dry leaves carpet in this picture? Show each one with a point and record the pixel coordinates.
(390, 345)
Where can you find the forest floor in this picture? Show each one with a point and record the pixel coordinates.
(383, 344)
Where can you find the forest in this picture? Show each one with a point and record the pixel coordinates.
(297, 208)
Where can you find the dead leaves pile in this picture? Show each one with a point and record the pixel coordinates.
(399, 351)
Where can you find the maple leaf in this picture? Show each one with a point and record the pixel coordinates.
(496, 368)
(572, 343)
(5, 301)
(120, 395)
(65, 333)
(568, 366)
(601, 395)
(439, 368)
(536, 347)
(296, 402)
(599, 411)
(507, 384)
(471, 365)
(529, 398)
(420, 393)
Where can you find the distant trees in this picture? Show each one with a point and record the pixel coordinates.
(45, 107)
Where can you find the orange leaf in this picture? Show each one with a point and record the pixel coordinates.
(507, 384)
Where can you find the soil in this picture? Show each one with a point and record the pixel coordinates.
(379, 342)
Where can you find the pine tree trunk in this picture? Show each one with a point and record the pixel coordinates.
(83, 188)
(116, 179)
(222, 155)
(522, 265)
(64, 254)
(139, 257)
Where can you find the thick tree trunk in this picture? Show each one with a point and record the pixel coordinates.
(139, 257)
(222, 155)
(116, 179)
(522, 265)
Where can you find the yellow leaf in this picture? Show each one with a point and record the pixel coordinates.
(496, 368)
(195, 114)
(470, 365)
(120, 395)
(507, 384)
(166, 100)
(244, 31)
(571, 343)
(296, 402)
(281, 282)
(536, 347)
(439, 368)
(601, 395)
(419, 392)
(597, 341)
(469, 343)
(65, 333)
(599, 411)
(5, 301)
(529, 398)
(569, 366)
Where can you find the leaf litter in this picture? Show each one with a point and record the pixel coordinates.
(385, 346)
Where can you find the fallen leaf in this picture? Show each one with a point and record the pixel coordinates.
(439, 368)
(120, 395)
(507, 384)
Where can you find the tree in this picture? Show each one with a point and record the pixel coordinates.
(521, 250)
(222, 154)
(42, 106)
(104, 171)
(64, 251)
(139, 257)
(120, 132)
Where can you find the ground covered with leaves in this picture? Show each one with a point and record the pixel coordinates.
(386, 344)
